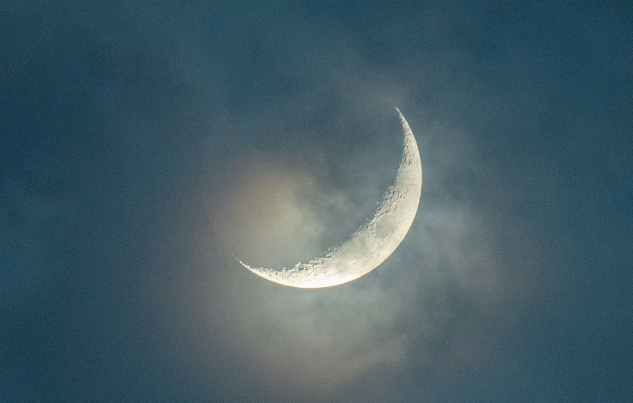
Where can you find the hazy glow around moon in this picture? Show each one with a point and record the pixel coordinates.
(373, 242)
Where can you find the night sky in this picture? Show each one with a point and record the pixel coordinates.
(145, 145)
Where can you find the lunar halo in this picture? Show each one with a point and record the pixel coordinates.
(373, 242)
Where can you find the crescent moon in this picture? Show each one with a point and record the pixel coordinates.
(374, 241)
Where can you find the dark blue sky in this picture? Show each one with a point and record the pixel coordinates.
(143, 144)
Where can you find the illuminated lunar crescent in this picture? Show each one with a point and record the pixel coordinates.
(373, 242)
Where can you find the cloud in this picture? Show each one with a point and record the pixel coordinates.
(310, 168)
(298, 154)
(435, 305)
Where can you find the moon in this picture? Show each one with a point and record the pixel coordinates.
(373, 242)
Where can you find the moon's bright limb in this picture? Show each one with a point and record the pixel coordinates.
(373, 242)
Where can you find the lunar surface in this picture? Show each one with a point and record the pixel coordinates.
(373, 242)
